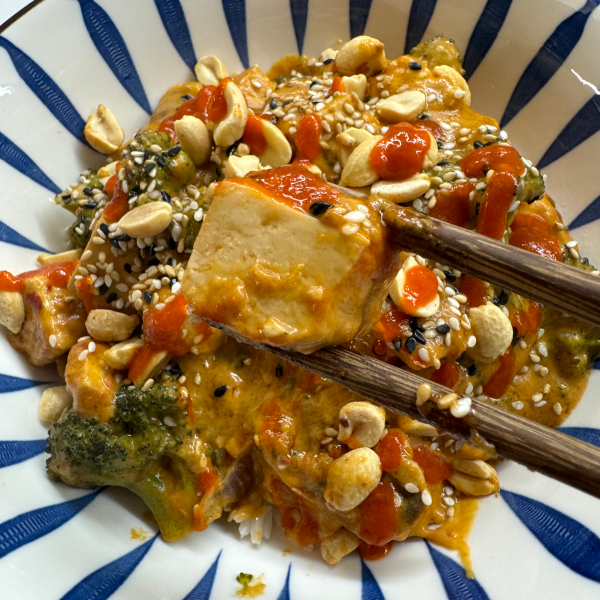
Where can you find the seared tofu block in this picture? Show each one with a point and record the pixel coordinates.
(288, 260)
(54, 321)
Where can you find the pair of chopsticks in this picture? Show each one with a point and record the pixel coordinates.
(554, 284)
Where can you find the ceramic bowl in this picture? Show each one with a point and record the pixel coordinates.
(530, 63)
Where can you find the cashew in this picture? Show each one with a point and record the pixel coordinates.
(493, 330)
(53, 402)
(103, 132)
(402, 191)
(362, 54)
(12, 311)
(351, 478)
(358, 171)
(147, 220)
(110, 325)
(120, 355)
(396, 291)
(338, 545)
(210, 70)
(456, 78)
(278, 151)
(240, 166)
(194, 138)
(45, 259)
(474, 477)
(402, 107)
(361, 424)
(157, 362)
(356, 84)
(432, 154)
(231, 128)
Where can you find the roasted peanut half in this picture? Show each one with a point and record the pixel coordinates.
(69, 255)
(12, 311)
(356, 84)
(457, 80)
(402, 107)
(361, 424)
(210, 70)
(361, 55)
(231, 128)
(120, 355)
(432, 154)
(400, 192)
(351, 478)
(147, 220)
(194, 138)
(240, 166)
(103, 132)
(278, 151)
(349, 140)
(53, 402)
(110, 325)
(474, 477)
(358, 171)
(338, 545)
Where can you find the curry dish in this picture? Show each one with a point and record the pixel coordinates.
(225, 207)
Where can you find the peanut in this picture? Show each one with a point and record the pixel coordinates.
(456, 79)
(53, 402)
(210, 70)
(361, 424)
(231, 128)
(120, 355)
(12, 311)
(147, 220)
(361, 55)
(194, 138)
(401, 192)
(358, 171)
(110, 325)
(402, 107)
(103, 132)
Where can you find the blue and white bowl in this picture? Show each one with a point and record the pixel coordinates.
(531, 63)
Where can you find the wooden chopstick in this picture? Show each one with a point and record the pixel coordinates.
(535, 446)
(554, 284)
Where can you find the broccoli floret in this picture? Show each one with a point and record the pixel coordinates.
(146, 425)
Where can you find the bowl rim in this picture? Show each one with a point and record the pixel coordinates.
(10, 21)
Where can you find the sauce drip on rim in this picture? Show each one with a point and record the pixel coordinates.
(401, 153)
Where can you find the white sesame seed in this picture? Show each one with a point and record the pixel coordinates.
(426, 498)
(573, 253)
(52, 341)
(454, 324)
(455, 311)
(350, 229)
(543, 349)
(540, 404)
(147, 385)
(411, 488)
(169, 421)
(453, 303)
(92, 347)
(518, 405)
(355, 216)
(449, 291)
(87, 254)
(472, 341)
(537, 397)
(83, 355)
(424, 354)
(176, 287)
(571, 244)
(557, 408)
(534, 357)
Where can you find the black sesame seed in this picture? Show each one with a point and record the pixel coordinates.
(154, 262)
(171, 261)
(444, 328)
(66, 196)
(187, 97)
(90, 204)
(477, 209)
(515, 334)
(496, 302)
(278, 371)
(397, 344)
(172, 282)
(418, 335)
(219, 172)
(414, 326)
(111, 297)
(174, 151)
(273, 104)
(410, 345)
(503, 297)
(104, 228)
(424, 117)
(220, 391)
(318, 208)
(127, 267)
(450, 276)
(328, 61)
(103, 289)
(231, 149)
(478, 144)
(149, 167)
(161, 160)
(88, 191)
(439, 145)
(136, 190)
(472, 370)
(443, 163)
(115, 243)
(414, 66)
(171, 243)
(147, 297)
(166, 197)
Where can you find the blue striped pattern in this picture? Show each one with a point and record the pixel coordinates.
(112, 48)
(359, 15)
(204, 588)
(10, 236)
(485, 33)
(32, 525)
(285, 592)
(565, 538)
(235, 15)
(549, 58)
(8, 383)
(173, 18)
(585, 434)
(11, 154)
(14, 452)
(104, 582)
(299, 10)
(421, 12)
(44, 87)
(456, 584)
(581, 127)
(370, 589)
(589, 214)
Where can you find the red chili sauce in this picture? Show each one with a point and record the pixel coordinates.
(420, 288)
(401, 153)
(57, 274)
(253, 136)
(379, 515)
(532, 232)
(453, 205)
(308, 137)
